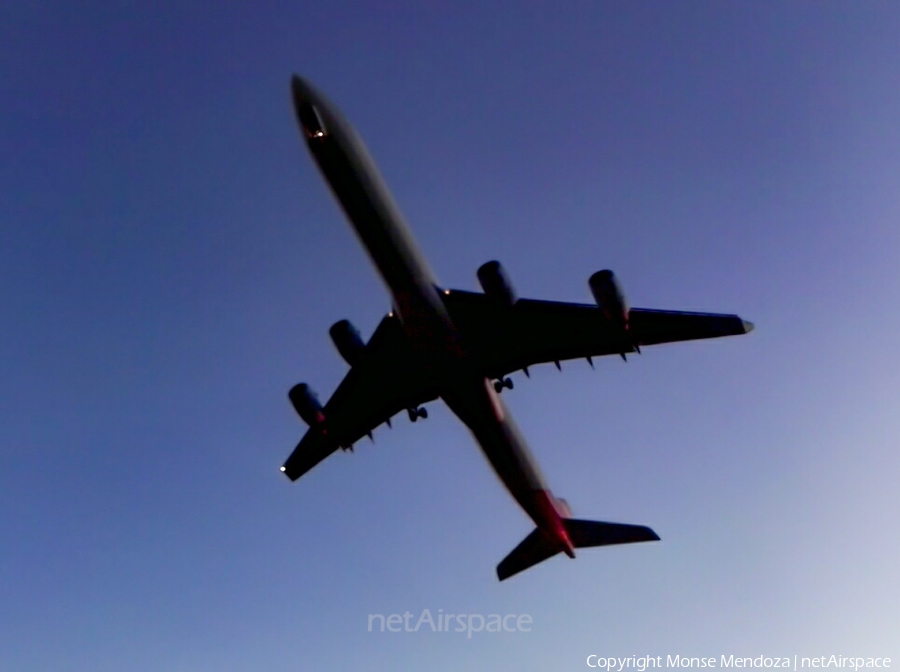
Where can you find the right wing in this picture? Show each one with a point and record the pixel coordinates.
(387, 380)
(509, 338)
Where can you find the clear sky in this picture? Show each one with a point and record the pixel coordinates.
(170, 262)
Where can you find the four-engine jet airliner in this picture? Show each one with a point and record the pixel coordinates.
(461, 346)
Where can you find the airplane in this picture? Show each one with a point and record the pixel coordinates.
(461, 346)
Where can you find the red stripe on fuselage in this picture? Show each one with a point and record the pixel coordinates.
(553, 526)
(495, 400)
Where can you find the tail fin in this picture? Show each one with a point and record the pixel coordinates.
(537, 547)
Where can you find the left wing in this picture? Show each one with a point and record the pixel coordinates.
(387, 380)
(507, 338)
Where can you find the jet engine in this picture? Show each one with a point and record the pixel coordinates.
(496, 284)
(306, 403)
(348, 342)
(608, 295)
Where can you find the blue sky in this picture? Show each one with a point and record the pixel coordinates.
(171, 260)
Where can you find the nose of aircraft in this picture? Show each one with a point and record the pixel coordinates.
(308, 106)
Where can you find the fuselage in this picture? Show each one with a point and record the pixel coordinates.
(353, 178)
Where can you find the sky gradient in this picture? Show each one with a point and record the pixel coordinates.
(170, 262)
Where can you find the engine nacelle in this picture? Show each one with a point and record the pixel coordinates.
(306, 403)
(348, 342)
(609, 297)
(496, 284)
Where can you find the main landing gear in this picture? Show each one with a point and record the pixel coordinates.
(416, 413)
(500, 384)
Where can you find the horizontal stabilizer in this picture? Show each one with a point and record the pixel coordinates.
(586, 533)
(537, 547)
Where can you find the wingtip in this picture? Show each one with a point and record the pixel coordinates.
(291, 474)
(748, 326)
